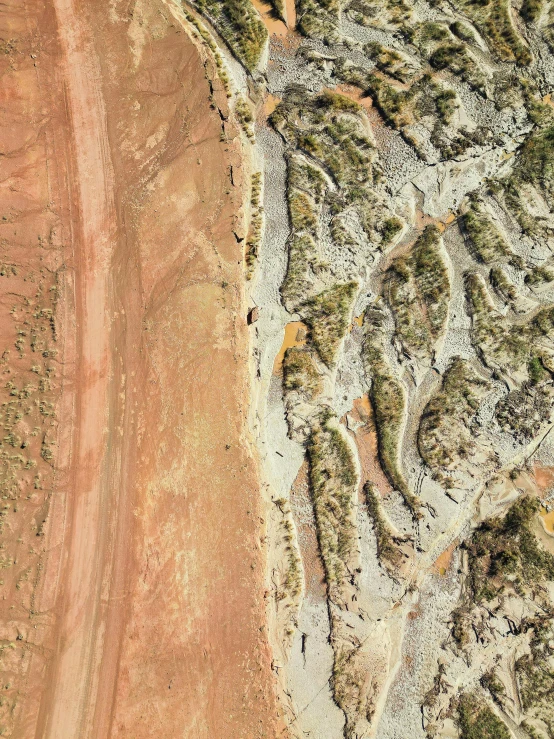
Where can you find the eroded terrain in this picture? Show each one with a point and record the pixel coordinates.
(132, 570)
(403, 354)
(277, 329)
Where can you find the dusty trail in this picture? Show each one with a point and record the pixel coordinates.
(76, 664)
(151, 603)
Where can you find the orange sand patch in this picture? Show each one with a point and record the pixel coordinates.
(290, 13)
(358, 321)
(270, 103)
(354, 93)
(548, 520)
(275, 27)
(422, 220)
(544, 535)
(544, 477)
(295, 335)
(365, 436)
(444, 560)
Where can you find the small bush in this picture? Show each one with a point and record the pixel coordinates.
(327, 315)
(477, 721)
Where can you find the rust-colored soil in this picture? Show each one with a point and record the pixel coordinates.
(132, 581)
(444, 560)
(365, 436)
(544, 477)
(295, 335)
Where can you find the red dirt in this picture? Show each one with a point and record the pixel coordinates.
(365, 437)
(442, 564)
(544, 477)
(146, 590)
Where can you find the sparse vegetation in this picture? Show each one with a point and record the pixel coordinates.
(534, 169)
(332, 162)
(502, 344)
(300, 373)
(291, 582)
(199, 30)
(401, 108)
(456, 59)
(491, 682)
(302, 255)
(462, 31)
(418, 291)
(397, 106)
(477, 721)
(502, 285)
(539, 275)
(333, 483)
(318, 18)
(380, 13)
(256, 222)
(389, 404)
(487, 242)
(327, 315)
(240, 25)
(390, 61)
(524, 411)
(535, 672)
(302, 212)
(504, 553)
(244, 116)
(446, 437)
(494, 21)
(540, 113)
(386, 547)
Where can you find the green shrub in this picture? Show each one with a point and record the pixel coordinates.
(332, 482)
(327, 315)
(300, 373)
(418, 291)
(487, 242)
(477, 721)
(504, 552)
(539, 275)
(389, 406)
(531, 10)
(240, 25)
(386, 548)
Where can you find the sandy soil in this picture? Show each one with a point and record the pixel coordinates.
(147, 589)
(295, 335)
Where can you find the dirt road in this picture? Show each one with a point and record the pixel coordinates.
(151, 577)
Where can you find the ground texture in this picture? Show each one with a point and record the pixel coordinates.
(133, 576)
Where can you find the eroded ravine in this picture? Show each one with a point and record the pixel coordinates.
(154, 581)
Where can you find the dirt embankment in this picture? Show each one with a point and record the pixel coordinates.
(147, 587)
